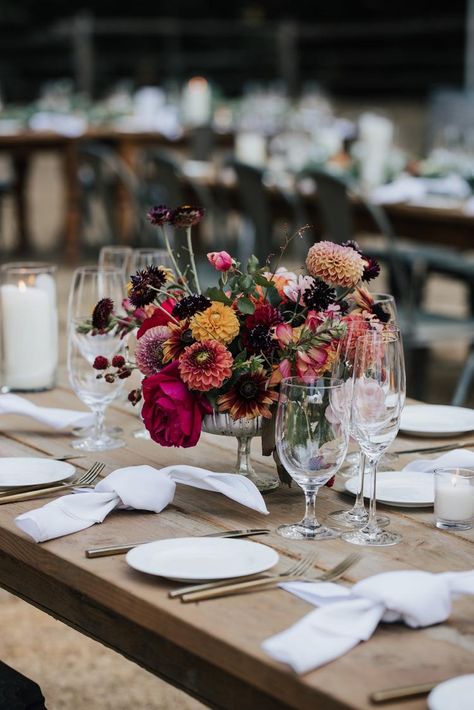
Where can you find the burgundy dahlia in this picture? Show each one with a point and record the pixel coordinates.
(371, 269)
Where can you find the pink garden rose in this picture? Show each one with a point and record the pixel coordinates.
(171, 413)
(220, 260)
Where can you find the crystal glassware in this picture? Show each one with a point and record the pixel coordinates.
(90, 285)
(143, 257)
(377, 400)
(117, 257)
(312, 430)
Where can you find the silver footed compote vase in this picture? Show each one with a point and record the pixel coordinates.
(244, 430)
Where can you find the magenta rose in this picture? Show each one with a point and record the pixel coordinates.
(171, 413)
(220, 260)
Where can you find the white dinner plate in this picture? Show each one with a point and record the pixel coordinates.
(402, 489)
(193, 559)
(436, 420)
(16, 472)
(454, 694)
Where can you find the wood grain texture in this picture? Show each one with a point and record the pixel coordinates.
(212, 649)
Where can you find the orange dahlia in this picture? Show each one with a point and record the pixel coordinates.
(335, 264)
(179, 339)
(218, 322)
(205, 365)
(250, 397)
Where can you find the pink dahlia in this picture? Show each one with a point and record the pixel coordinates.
(149, 352)
(205, 365)
(335, 265)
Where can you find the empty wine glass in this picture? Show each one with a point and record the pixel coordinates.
(145, 256)
(312, 429)
(90, 285)
(117, 257)
(377, 401)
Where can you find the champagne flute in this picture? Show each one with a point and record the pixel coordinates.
(312, 430)
(90, 285)
(377, 401)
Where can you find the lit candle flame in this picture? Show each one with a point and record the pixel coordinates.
(22, 286)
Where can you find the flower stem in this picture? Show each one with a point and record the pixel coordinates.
(191, 256)
(173, 260)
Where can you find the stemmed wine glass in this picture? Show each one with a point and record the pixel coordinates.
(90, 285)
(378, 394)
(312, 430)
(147, 256)
(117, 257)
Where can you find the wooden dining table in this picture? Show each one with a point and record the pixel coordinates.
(212, 649)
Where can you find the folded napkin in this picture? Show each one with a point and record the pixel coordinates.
(139, 487)
(55, 418)
(348, 616)
(457, 458)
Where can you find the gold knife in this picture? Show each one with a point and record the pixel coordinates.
(407, 691)
(108, 550)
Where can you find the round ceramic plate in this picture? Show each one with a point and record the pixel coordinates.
(402, 489)
(17, 472)
(436, 420)
(454, 694)
(193, 559)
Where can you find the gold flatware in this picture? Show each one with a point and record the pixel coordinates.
(265, 584)
(434, 449)
(407, 691)
(300, 565)
(107, 550)
(87, 479)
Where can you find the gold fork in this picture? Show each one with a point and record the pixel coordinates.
(297, 568)
(264, 584)
(87, 479)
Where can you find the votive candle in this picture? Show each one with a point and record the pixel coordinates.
(454, 498)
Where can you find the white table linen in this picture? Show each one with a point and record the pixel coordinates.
(346, 617)
(133, 487)
(51, 416)
(457, 458)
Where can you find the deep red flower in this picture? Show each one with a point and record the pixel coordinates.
(171, 413)
(100, 363)
(158, 317)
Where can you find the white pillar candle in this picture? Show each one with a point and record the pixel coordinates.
(29, 334)
(197, 100)
(454, 499)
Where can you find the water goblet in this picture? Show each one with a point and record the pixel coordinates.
(117, 257)
(312, 430)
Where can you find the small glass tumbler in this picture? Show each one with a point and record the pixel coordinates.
(28, 326)
(454, 498)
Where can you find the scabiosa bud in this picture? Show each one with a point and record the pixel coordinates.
(101, 314)
(135, 396)
(159, 214)
(187, 216)
(145, 285)
(371, 269)
(100, 363)
(109, 378)
(118, 361)
(188, 306)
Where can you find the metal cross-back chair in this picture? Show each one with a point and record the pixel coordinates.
(407, 266)
(256, 204)
(101, 172)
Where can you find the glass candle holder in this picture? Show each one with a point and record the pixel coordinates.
(28, 327)
(454, 498)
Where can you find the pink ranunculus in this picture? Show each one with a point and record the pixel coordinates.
(171, 413)
(285, 368)
(220, 260)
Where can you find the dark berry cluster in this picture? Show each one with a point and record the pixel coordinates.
(119, 365)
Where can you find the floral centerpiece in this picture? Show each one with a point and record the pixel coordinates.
(219, 354)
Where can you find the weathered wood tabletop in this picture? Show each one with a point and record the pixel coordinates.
(213, 649)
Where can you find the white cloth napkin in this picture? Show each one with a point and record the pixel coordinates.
(55, 418)
(407, 188)
(139, 487)
(348, 616)
(457, 458)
